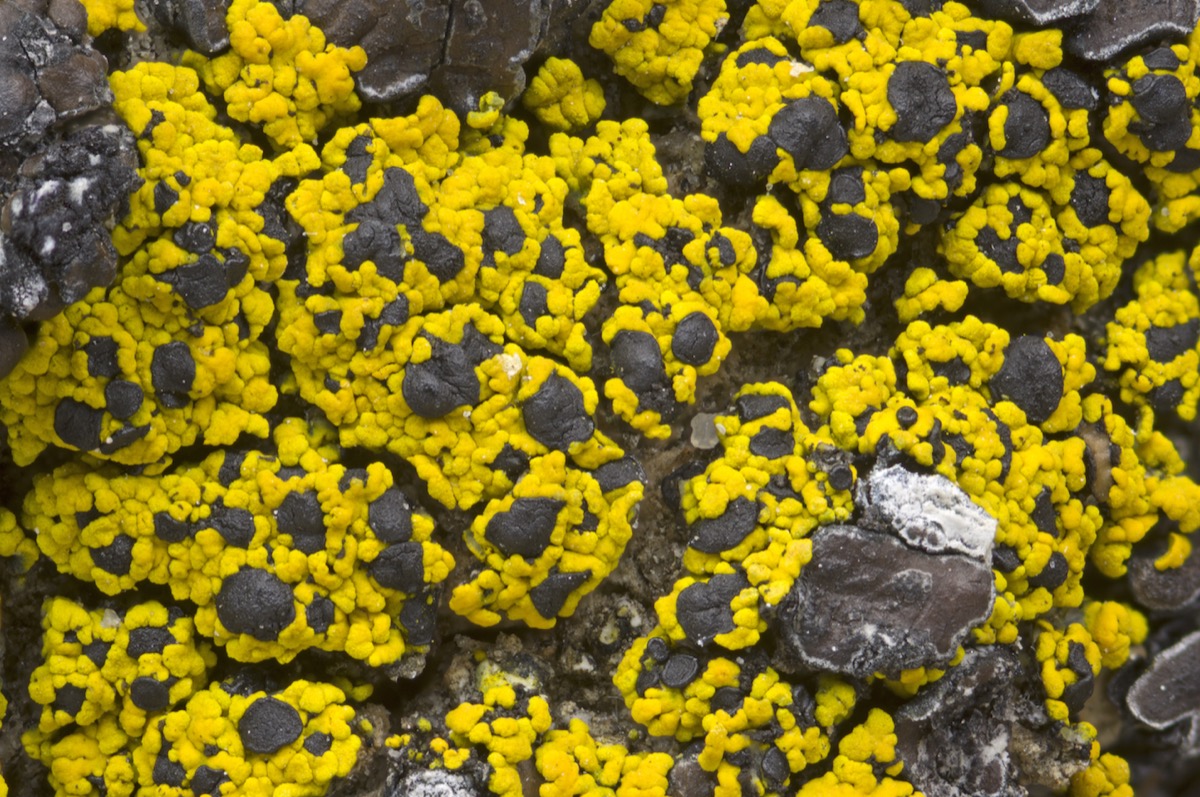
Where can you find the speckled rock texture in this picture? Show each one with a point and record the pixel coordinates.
(628, 398)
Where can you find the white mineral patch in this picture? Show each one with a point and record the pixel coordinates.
(929, 512)
(79, 187)
(704, 431)
(435, 783)
(511, 364)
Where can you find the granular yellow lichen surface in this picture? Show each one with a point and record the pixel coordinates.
(373, 390)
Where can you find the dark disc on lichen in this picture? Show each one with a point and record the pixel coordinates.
(772, 443)
(378, 242)
(358, 159)
(390, 516)
(442, 259)
(207, 781)
(533, 303)
(318, 743)
(442, 383)
(123, 398)
(419, 619)
(1027, 127)
(614, 475)
(1053, 574)
(1044, 515)
(172, 372)
(549, 596)
(846, 186)
(234, 524)
(1001, 251)
(1031, 377)
(1164, 110)
(759, 55)
(727, 530)
(168, 529)
(555, 415)
(1089, 198)
(1055, 268)
(775, 766)
(694, 339)
(300, 516)
(1071, 89)
(231, 467)
(679, 670)
(511, 462)
(753, 406)
(167, 772)
(116, 557)
(269, 724)
(102, 356)
(849, 236)
(149, 694)
(200, 284)
(525, 528)
(77, 424)
(551, 259)
(808, 129)
(477, 346)
(1164, 344)
(398, 201)
(257, 603)
(704, 609)
(638, 363)
(97, 651)
(839, 17)
(502, 231)
(400, 566)
(725, 162)
(69, 698)
(319, 614)
(148, 639)
(920, 95)
(123, 437)
(328, 322)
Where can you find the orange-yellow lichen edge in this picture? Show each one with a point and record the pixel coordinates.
(280, 552)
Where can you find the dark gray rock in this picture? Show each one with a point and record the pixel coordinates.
(868, 603)
(433, 783)
(403, 41)
(67, 166)
(200, 22)
(954, 736)
(55, 224)
(1164, 590)
(1169, 691)
(1038, 12)
(1118, 25)
(456, 49)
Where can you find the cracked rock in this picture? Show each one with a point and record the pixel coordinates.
(1117, 25)
(868, 603)
(954, 737)
(1169, 691)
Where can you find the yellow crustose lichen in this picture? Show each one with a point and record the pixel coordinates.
(280, 74)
